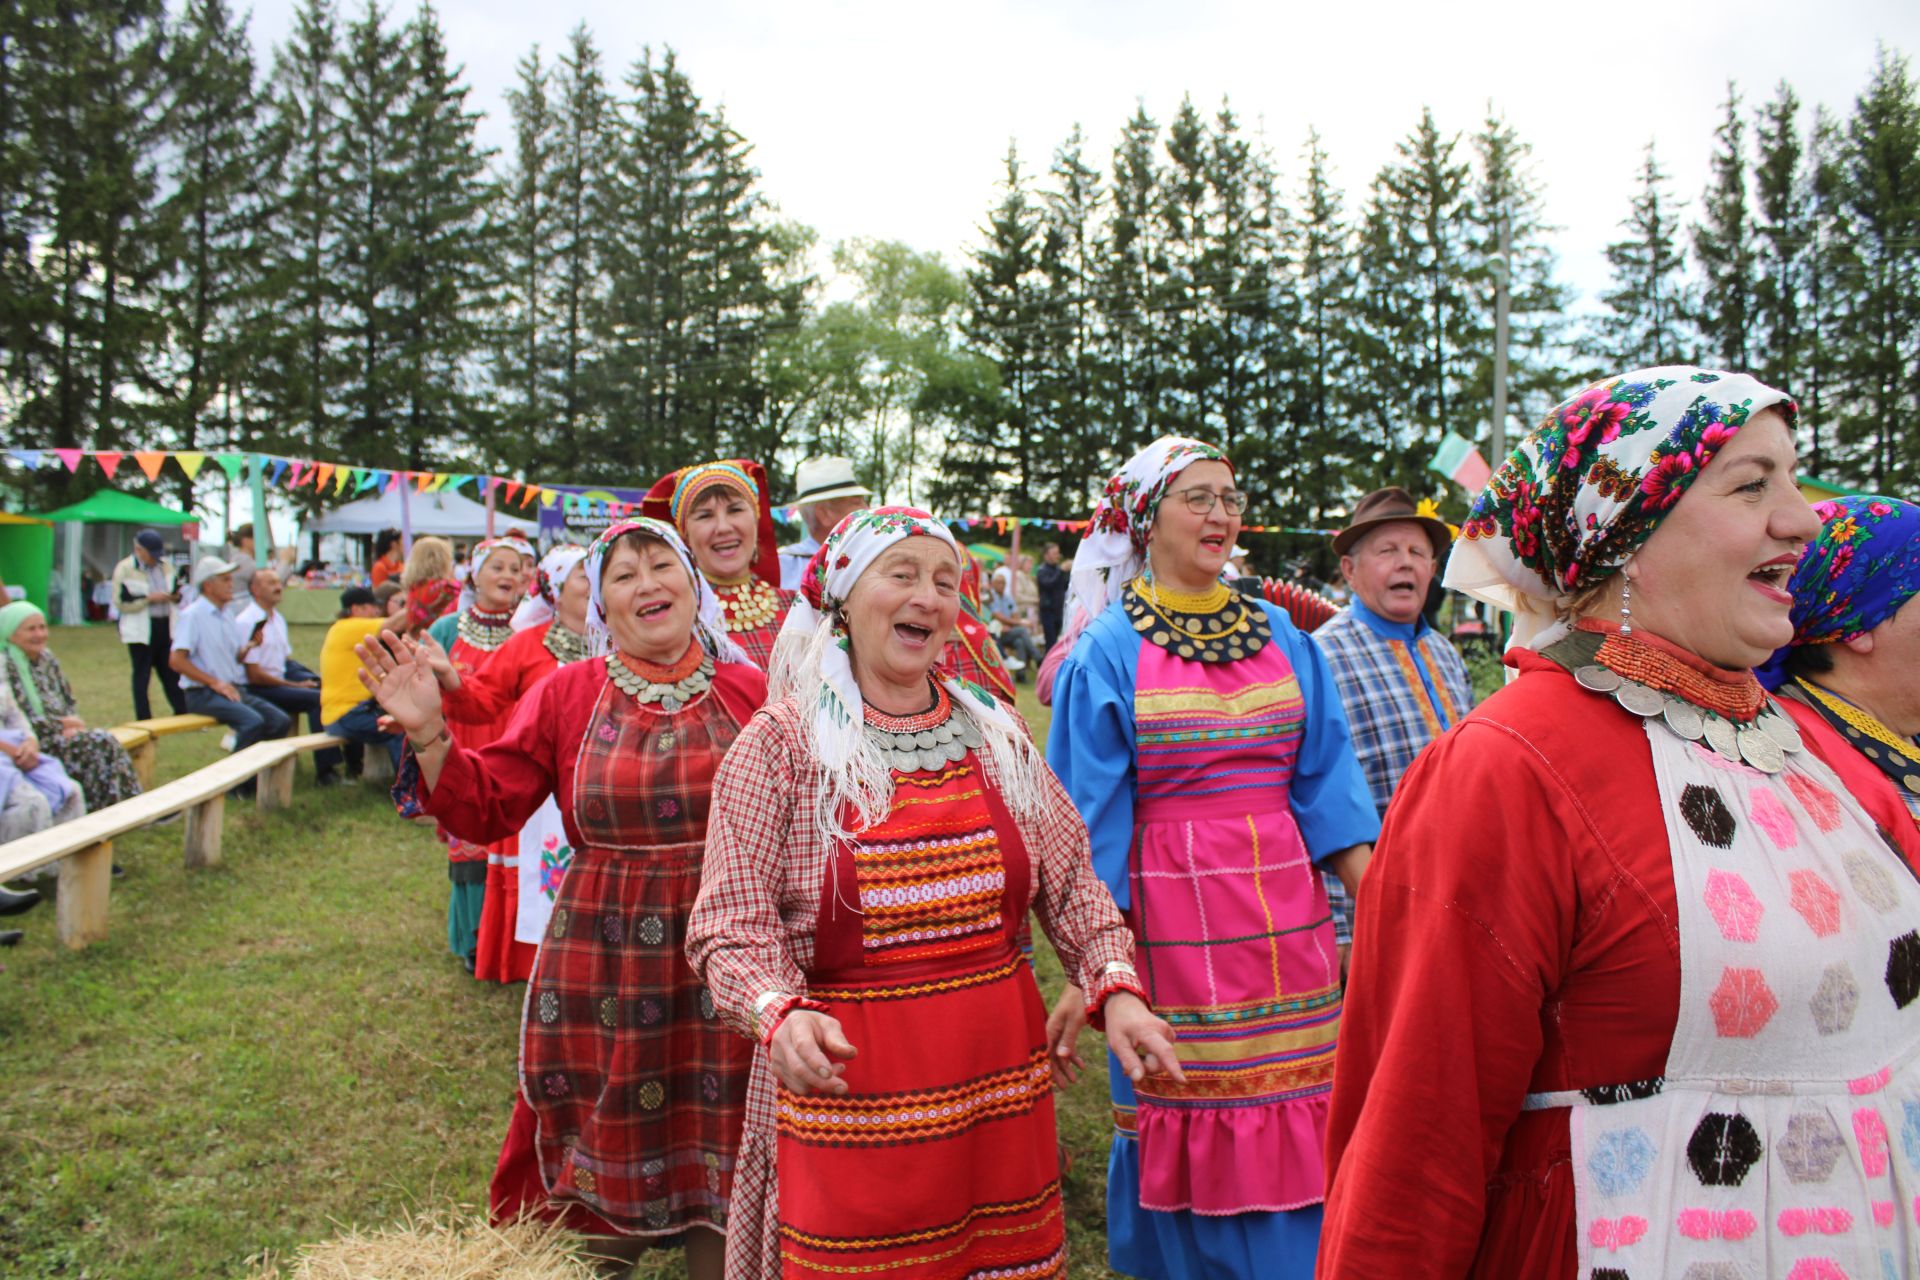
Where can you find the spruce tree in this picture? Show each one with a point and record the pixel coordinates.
(1723, 247)
(1132, 291)
(525, 360)
(579, 169)
(1076, 450)
(1782, 232)
(1329, 447)
(1645, 321)
(214, 217)
(26, 189)
(1504, 187)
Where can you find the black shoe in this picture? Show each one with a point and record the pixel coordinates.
(10, 937)
(327, 780)
(468, 962)
(118, 871)
(12, 904)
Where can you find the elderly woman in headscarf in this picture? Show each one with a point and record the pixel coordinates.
(93, 758)
(631, 1089)
(1205, 743)
(725, 514)
(880, 831)
(35, 790)
(1855, 656)
(470, 638)
(549, 631)
(1635, 969)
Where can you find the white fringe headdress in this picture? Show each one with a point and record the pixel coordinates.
(812, 659)
(1114, 551)
(481, 551)
(708, 623)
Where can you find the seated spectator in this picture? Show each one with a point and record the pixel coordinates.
(391, 597)
(207, 649)
(1016, 635)
(274, 673)
(93, 758)
(345, 708)
(35, 791)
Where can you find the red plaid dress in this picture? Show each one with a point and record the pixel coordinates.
(489, 694)
(635, 1087)
(760, 927)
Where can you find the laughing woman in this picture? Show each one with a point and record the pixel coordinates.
(723, 511)
(630, 1087)
(879, 833)
(1205, 743)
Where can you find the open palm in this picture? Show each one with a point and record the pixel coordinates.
(401, 680)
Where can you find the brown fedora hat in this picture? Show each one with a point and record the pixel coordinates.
(1386, 506)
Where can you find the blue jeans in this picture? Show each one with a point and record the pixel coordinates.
(296, 702)
(252, 719)
(362, 724)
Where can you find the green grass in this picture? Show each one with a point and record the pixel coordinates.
(260, 1052)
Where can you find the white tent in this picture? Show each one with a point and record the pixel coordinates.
(447, 514)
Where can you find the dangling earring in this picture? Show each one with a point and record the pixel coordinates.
(1626, 604)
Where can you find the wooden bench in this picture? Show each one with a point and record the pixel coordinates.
(84, 847)
(139, 736)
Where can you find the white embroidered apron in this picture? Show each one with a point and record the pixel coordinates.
(1784, 1137)
(544, 857)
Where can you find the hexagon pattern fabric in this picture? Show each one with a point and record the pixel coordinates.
(1785, 1141)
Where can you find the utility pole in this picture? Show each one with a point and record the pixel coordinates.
(1502, 299)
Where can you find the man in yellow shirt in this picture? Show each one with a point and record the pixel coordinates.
(345, 709)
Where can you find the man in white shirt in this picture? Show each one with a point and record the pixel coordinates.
(272, 671)
(207, 649)
(827, 493)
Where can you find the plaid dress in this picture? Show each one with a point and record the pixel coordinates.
(635, 1087)
(764, 924)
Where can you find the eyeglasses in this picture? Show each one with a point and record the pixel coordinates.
(1200, 501)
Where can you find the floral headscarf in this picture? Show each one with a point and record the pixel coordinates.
(1115, 548)
(552, 574)
(482, 551)
(430, 601)
(1855, 574)
(708, 624)
(812, 660)
(1587, 487)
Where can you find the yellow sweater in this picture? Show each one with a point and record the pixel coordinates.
(340, 689)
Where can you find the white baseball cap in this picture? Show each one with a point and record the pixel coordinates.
(211, 567)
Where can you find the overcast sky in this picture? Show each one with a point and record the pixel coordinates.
(891, 119)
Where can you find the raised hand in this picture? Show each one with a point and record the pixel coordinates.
(427, 649)
(400, 680)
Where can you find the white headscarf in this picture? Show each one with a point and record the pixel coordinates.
(811, 659)
(482, 550)
(708, 623)
(555, 568)
(1115, 549)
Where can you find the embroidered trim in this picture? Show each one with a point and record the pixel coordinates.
(1417, 686)
(1901, 759)
(1226, 634)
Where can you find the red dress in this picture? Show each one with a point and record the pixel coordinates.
(466, 861)
(489, 696)
(631, 1089)
(1516, 933)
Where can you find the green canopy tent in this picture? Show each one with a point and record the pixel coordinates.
(105, 506)
(26, 553)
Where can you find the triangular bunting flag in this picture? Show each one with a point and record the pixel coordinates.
(230, 463)
(280, 466)
(547, 496)
(29, 458)
(513, 487)
(439, 482)
(191, 461)
(299, 469)
(70, 456)
(493, 482)
(109, 460)
(532, 492)
(365, 479)
(151, 462)
(326, 470)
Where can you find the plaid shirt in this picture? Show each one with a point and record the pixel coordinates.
(1403, 685)
(752, 930)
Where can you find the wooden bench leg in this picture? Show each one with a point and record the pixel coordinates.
(86, 878)
(143, 762)
(204, 821)
(274, 786)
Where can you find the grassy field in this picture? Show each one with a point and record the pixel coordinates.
(263, 1052)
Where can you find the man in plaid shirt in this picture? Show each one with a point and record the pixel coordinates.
(1402, 682)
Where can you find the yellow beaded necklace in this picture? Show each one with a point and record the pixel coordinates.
(1862, 721)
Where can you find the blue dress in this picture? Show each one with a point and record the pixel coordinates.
(1212, 788)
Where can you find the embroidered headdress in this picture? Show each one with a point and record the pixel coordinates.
(484, 550)
(1855, 574)
(555, 567)
(1586, 488)
(812, 660)
(708, 626)
(1115, 549)
(674, 495)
